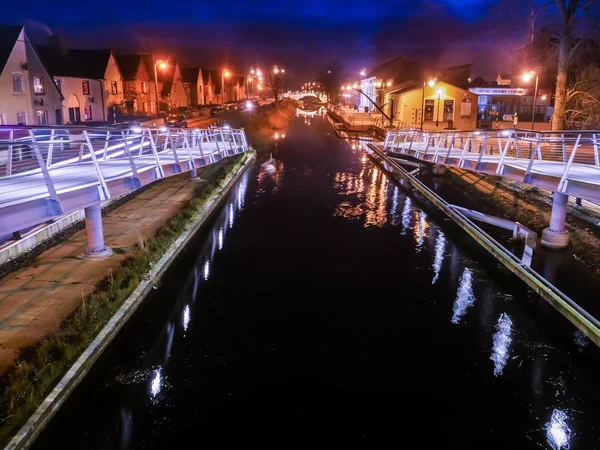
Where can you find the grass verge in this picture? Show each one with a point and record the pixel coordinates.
(40, 367)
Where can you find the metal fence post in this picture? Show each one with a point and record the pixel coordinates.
(191, 165)
(160, 171)
(45, 173)
(50, 148)
(595, 141)
(129, 156)
(9, 156)
(105, 195)
(562, 186)
(106, 144)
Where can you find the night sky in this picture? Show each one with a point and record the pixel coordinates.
(302, 36)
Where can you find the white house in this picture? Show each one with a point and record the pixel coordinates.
(89, 80)
(27, 94)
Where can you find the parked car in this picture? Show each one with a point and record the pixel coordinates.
(176, 121)
(232, 105)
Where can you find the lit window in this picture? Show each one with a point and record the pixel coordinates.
(87, 113)
(85, 87)
(38, 84)
(145, 106)
(21, 118)
(144, 87)
(42, 117)
(17, 82)
(114, 88)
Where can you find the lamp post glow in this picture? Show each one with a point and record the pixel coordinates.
(224, 74)
(431, 83)
(526, 77)
(437, 117)
(363, 73)
(163, 65)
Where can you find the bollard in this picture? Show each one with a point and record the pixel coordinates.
(95, 233)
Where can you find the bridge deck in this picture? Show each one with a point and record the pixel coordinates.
(79, 173)
(547, 160)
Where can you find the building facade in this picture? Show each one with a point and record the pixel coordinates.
(28, 95)
(139, 89)
(90, 81)
(171, 89)
(193, 84)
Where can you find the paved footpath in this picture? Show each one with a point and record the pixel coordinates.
(35, 299)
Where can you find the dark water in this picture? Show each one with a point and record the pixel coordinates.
(325, 306)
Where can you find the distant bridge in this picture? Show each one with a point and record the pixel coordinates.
(47, 172)
(309, 96)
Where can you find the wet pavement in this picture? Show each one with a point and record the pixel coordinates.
(326, 306)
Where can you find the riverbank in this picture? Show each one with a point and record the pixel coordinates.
(532, 208)
(52, 310)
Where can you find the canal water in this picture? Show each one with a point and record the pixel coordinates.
(325, 305)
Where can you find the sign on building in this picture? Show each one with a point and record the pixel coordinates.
(499, 91)
(465, 108)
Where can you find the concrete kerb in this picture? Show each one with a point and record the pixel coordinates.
(57, 397)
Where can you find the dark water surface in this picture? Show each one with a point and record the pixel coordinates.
(326, 306)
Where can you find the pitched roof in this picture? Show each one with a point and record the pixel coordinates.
(189, 74)
(94, 61)
(129, 65)
(398, 69)
(8, 38)
(75, 63)
(205, 75)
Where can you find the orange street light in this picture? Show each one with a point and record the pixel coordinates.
(224, 74)
(526, 77)
(163, 65)
(431, 82)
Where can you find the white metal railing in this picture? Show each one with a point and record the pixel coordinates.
(563, 155)
(45, 162)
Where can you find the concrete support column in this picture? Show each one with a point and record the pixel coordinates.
(193, 174)
(95, 233)
(555, 236)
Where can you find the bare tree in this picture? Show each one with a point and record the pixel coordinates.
(568, 11)
(583, 100)
(278, 81)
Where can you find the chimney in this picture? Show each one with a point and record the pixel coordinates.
(58, 43)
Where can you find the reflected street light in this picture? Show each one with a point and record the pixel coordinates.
(162, 65)
(526, 77)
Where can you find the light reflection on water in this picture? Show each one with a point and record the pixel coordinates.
(558, 432)
(464, 297)
(440, 248)
(502, 339)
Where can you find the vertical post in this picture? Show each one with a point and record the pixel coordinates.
(159, 170)
(50, 148)
(9, 155)
(537, 77)
(555, 236)
(106, 145)
(95, 233)
(105, 195)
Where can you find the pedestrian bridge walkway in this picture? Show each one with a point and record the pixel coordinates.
(46, 172)
(564, 162)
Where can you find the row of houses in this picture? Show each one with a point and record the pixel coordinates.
(53, 85)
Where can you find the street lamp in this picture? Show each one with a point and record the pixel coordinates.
(224, 74)
(162, 65)
(437, 117)
(526, 77)
(363, 72)
(431, 83)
